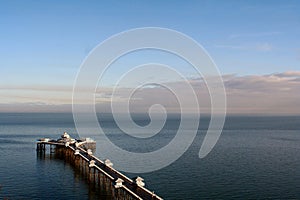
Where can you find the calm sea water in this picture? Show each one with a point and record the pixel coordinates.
(255, 158)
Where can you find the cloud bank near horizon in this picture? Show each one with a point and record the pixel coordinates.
(277, 93)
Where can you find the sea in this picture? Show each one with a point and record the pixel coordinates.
(256, 157)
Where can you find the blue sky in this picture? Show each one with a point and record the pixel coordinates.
(44, 42)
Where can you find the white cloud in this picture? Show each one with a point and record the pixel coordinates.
(228, 46)
(263, 47)
(260, 34)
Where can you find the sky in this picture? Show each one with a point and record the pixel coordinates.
(255, 45)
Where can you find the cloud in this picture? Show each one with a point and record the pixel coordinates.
(277, 93)
(289, 74)
(265, 83)
(35, 88)
(38, 107)
(259, 34)
(234, 47)
(269, 94)
(262, 47)
(254, 46)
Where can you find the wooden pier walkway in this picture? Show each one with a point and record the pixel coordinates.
(99, 173)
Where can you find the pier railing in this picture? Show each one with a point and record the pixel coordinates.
(99, 173)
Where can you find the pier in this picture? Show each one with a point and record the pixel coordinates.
(99, 174)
